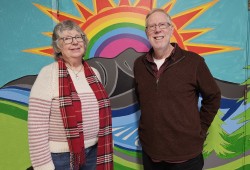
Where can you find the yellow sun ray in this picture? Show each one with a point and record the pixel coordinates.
(45, 51)
(188, 35)
(57, 18)
(48, 34)
(207, 49)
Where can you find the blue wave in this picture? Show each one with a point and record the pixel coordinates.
(127, 110)
(15, 94)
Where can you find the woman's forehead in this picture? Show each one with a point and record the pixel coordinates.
(69, 32)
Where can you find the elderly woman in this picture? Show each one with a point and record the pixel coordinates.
(69, 119)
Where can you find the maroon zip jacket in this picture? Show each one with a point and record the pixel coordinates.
(172, 127)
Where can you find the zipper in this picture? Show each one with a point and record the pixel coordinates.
(174, 63)
(157, 79)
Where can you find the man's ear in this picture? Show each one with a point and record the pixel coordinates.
(146, 32)
(171, 30)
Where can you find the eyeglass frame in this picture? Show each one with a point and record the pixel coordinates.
(82, 36)
(153, 27)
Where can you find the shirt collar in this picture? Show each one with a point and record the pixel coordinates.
(149, 56)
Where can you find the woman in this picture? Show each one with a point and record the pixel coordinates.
(69, 120)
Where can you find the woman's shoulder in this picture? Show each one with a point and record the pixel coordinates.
(48, 71)
(50, 66)
(45, 81)
(94, 69)
(96, 73)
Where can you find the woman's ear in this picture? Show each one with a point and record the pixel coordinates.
(59, 46)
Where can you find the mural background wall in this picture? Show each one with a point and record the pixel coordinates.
(216, 29)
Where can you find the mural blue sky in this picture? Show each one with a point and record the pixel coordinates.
(22, 29)
(25, 26)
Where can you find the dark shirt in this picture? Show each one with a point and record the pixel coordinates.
(172, 127)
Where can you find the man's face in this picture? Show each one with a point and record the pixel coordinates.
(159, 30)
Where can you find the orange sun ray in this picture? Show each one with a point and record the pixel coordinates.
(144, 4)
(206, 49)
(188, 35)
(168, 6)
(83, 10)
(57, 18)
(124, 3)
(183, 37)
(45, 51)
(183, 19)
(106, 4)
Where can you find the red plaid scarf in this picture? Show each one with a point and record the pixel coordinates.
(70, 107)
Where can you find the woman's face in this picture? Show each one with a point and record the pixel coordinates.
(71, 45)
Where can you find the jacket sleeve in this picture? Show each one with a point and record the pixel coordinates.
(210, 94)
(135, 81)
(38, 121)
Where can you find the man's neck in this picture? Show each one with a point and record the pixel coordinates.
(163, 54)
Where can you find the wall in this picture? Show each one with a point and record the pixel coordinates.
(216, 29)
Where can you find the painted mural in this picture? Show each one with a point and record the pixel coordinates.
(115, 29)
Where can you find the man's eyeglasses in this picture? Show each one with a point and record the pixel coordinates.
(163, 25)
(69, 39)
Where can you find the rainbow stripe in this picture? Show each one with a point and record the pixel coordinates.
(112, 40)
(113, 31)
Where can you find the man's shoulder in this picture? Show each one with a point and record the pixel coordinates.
(140, 58)
(180, 53)
(192, 55)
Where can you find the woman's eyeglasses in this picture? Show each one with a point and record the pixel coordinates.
(69, 39)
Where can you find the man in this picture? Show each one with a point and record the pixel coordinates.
(168, 82)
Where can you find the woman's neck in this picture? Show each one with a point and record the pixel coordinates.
(74, 65)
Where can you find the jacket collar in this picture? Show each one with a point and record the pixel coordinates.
(175, 55)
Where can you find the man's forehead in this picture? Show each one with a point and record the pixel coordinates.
(158, 16)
